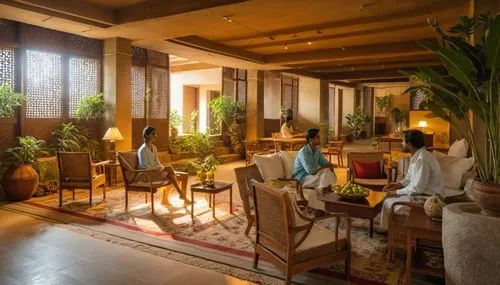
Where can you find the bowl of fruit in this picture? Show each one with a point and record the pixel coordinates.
(351, 191)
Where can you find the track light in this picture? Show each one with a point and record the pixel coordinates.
(227, 18)
(285, 47)
(309, 43)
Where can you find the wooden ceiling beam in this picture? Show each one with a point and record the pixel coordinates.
(344, 84)
(161, 8)
(192, 66)
(380, 66)
(78, 11)
(210, 46)
(349, 63)
(386, 50)
(371, 74)
(386, 80)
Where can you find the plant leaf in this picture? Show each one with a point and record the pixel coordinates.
(492, 44)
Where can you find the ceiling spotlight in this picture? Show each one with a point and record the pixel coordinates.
(319, 32)
(285, 47)
(343, 48)
(227, 18)
(271, 38)
(352, 68)
(309, 43)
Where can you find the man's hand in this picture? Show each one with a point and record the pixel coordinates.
(392, 193)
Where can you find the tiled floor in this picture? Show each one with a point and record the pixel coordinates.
(34, 251)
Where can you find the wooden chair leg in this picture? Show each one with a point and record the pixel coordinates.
(348, 265)
(104, 191)
(146, 196)
(288, 279)
(249, 226)
(152, 202)
(90, 197)
(60, 197)
(73, 194)
(338, 160)
(256, 260)
(126, 199)
(341, 159)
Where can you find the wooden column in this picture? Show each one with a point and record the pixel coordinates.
(255, 104)
(324, 92)
(117, 64)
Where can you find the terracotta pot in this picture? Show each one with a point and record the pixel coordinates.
(487, 197)
(19, 184)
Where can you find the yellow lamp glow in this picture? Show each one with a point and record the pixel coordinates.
(422, 125)
(112, 135)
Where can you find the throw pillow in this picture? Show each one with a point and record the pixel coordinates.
(453, 169)
(367, 170)
(459, 149)
(288, 161)
(269, 165)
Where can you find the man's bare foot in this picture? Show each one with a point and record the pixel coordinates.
(187, 201)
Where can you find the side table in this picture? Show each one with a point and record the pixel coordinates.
(111, 169)
(218, 187)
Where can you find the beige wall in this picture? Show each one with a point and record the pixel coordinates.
(309, 102)
(347, 106)
(272, 95)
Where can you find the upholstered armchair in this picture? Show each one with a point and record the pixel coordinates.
(396, 234)
(76, 171)
(367, 157)
(140, 180)
(291, 240)
(244, 175)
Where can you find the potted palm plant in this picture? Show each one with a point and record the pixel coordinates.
(472, 84)
(91, 107)
(20, 179)
(356, 121)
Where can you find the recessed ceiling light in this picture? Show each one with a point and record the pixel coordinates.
(285, 47)
(343, 48)
(352, 68)
(227, 18)
(309, 43)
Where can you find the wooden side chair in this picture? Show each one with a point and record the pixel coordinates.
(140, 180)
(292, 241)
(76, 171)
(244, 176)
(253, 147)
(336, 148)
(374, 184)
(396, 234)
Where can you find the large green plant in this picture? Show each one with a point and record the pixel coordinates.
(383, 103)
(356, 121)
(472, 84)
(200, 144)
(175, 119)
(91, 107)
(69, 137)
(9, 100)
(27, 151)
(226, 110)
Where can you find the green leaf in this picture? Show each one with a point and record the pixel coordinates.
(492, 44)
(435, 77)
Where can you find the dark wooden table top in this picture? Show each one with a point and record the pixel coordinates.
(371, 201)
(218, 186)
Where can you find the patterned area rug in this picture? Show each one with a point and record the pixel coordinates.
(226, 232)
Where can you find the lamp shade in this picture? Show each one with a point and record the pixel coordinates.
(422, 124)
(113, 134)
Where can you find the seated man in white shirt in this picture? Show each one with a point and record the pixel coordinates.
(148, 159)
(287, 130)
(423, 176)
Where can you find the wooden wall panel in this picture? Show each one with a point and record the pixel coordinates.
(8, 130)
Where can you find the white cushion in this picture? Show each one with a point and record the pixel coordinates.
(269, 165)
(459, 149)
(453, 169)
(288, 161)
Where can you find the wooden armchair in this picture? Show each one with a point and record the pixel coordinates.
(396, 234)
(76, 171)
(374, 184)
(140, 180)
(244, 175)
(335, 148)
(253, 147)
(292, 241)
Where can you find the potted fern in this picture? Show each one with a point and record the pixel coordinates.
(91, 107)
(69, 137)
(20, 180)
(175, 121)
(472, 84)
(356, 121)
(9, 100)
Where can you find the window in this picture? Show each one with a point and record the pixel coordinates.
(234, 83)
(7, 65)
(290, 94)
(159, 93)
(44, 84)
(241, 86)
(83, 80)
(138, 78)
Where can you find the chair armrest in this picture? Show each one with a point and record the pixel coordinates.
(101, 163)
(180, 172)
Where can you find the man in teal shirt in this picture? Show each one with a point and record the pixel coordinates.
(311, 168)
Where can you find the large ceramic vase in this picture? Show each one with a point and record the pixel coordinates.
(19, 184)
(487, 197)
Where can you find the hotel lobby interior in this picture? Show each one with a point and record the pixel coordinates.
(238, 92)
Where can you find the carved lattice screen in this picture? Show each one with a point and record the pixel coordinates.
(44, 84)
(159, 93)
(7, 65)
(83, 80)
(242, 86)
(138, 78)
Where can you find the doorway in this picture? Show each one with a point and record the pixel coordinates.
(190, 103)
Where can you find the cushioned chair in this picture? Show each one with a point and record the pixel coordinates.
(335, 148)
(396, 234)
(292, 241)
(140, 180)
(364, 157)
(76, 171)
(244, 175)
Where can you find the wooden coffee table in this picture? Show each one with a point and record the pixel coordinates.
(212, 190)
(367, 208)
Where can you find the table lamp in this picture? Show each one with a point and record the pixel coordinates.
(422, 124)
(112, 135)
